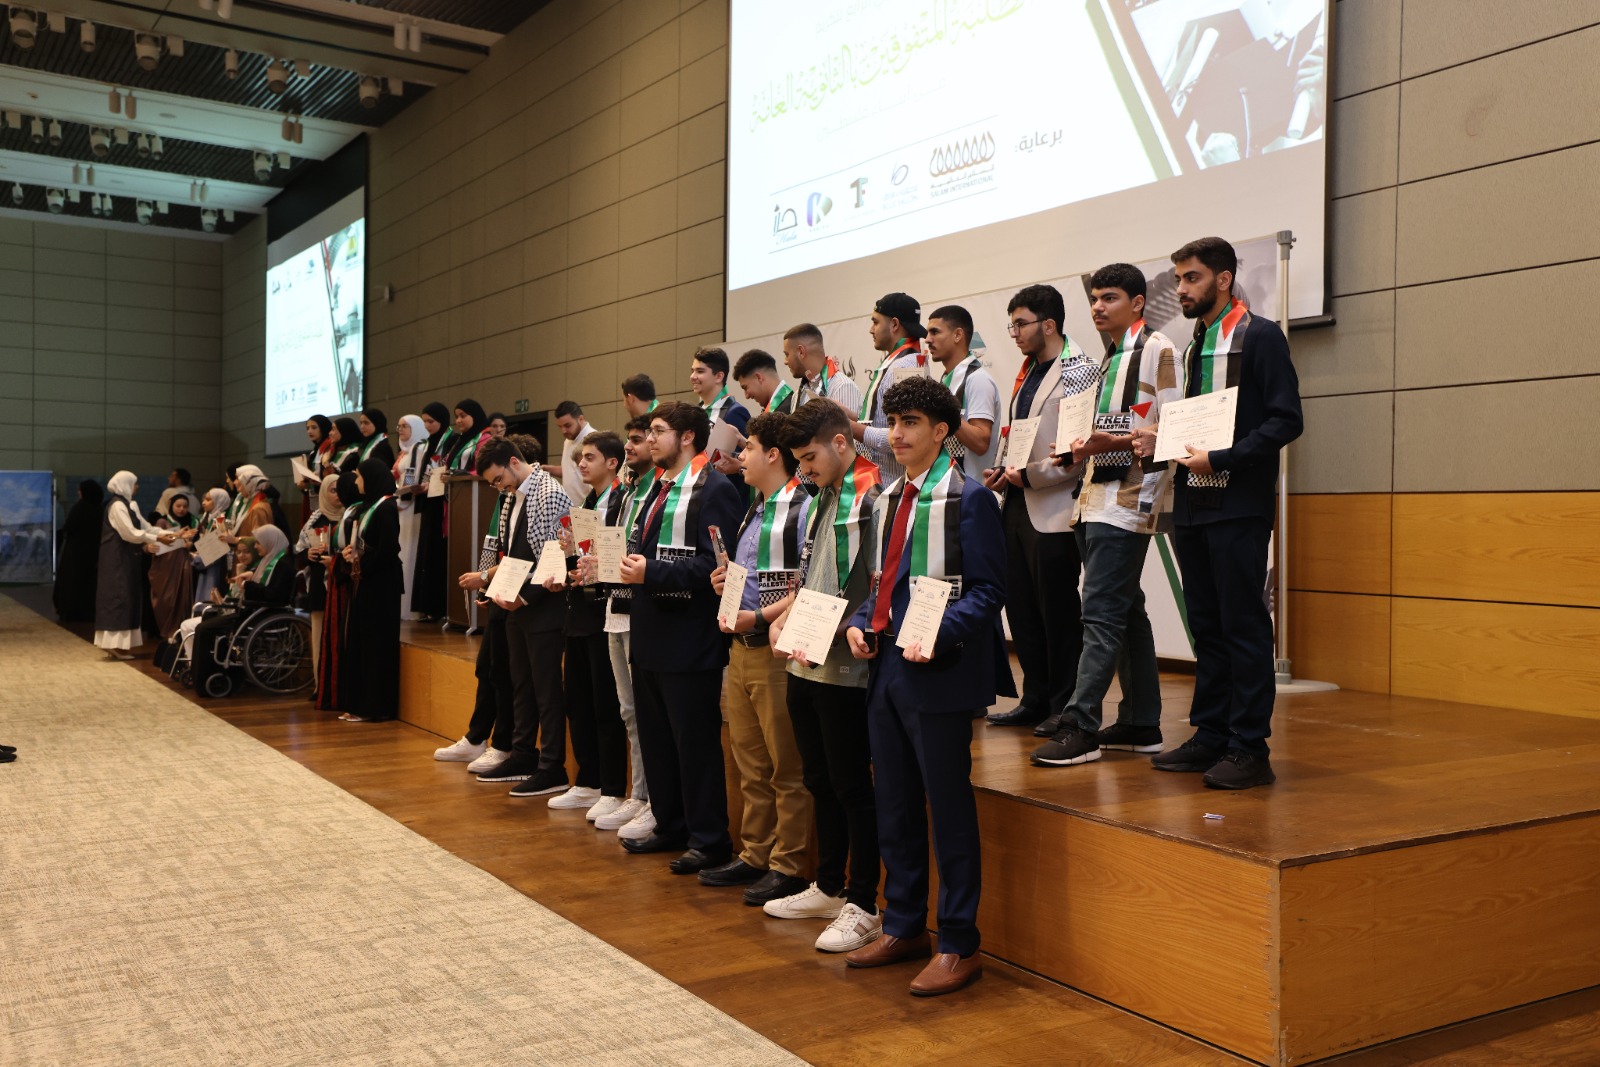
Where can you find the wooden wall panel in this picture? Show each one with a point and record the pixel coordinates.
(1339, 542)
(1392, 943)
(1524, 548)
(1505, 655)
(1341, 638)
(1179, 933)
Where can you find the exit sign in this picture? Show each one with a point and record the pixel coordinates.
(522, 406)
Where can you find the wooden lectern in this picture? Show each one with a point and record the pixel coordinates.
(471, 504)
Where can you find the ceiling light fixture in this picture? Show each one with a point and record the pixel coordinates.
(147, 50)
(208, 220)
(131, 106)
(55, 200)
(205, 5)
(55, 133)
(400, 36)
(116, 102)
(224, 9)
(143, 209)
(368, 90)
(263, 166)
(397, 87)
(277, 77)
(120, 136)
(414, 38)
(174, 45)
(16, 190)
(144, 146)
(86, 37)
(194, 191)
(24, 30)
(94, 205)
(99, 143)
(157, 149)
(88, 176)
(284, 160)
(76, 176)
(36, 130)
(227, 214)
(230, 64)
(302, 67)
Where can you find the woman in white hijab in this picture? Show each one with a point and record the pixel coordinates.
(212, 520)
(119, 601)
(270, 583)
(255, 509)
(409, 481)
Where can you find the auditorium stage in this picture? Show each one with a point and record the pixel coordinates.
(1418, 863)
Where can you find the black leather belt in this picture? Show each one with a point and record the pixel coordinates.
(752, 640)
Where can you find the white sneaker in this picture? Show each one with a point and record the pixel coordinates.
(629, 810)
(809, 903)
(463, 751)
(579, 796)
(853, 929)
(490, 760)
(603, 806)
(640, 827)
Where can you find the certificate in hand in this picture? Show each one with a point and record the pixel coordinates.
(509, 576)
(724, 441)
(1206, 422)
(1019, 441)
(552, 564)
(585, 522)
(1075, 419)
(436, 482)
(210, 548)
(608, 549)
(812, 624)
(924, 613)
(302, 473)
(732, 594)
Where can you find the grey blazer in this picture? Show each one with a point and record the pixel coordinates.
(1049, 491)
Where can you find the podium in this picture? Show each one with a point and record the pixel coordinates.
(471, 501)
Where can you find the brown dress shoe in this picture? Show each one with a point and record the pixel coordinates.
(889, 949)
(946, 973)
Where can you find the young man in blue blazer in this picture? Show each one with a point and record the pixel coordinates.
(932, 523)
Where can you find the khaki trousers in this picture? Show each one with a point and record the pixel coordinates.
(776, 826)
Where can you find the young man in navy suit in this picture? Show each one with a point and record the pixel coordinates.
(677, 650)
(932, 523)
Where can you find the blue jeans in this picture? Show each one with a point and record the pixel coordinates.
(1117, 639)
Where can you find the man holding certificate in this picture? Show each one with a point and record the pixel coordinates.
(827, 695)
(1124, 500)
(678, 651)
(1041, 555)
(776, 826)
(941, 539)
(533, 624)
(1224, 500)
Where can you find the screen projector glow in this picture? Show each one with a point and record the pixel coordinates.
(316, 317)
(944, 147)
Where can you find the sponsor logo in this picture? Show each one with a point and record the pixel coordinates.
(900, 174)
(817, 206)
(961, 155)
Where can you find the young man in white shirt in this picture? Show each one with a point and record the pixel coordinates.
(574, 428)
(976, 440)
(897, 332)
(818, 374)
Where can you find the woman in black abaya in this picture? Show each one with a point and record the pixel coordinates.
(370, 674)
(79, 562)
(429, 577)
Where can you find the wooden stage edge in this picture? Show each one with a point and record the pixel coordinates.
(1418, 864)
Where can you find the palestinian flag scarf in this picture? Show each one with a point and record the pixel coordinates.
(1119, 391)
(780, 397)
(955, 380)
(780, 541)
(852, 519)
(936, 524)
(680, 515)
(623, 510)
(830, 371)
(1210, 366)
(870, 400)
(718, 408)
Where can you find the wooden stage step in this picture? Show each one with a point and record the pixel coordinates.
(1419, 863)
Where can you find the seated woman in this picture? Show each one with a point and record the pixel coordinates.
(270, 585)
(212, 578)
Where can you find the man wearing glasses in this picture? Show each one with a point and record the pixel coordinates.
(1042, 560)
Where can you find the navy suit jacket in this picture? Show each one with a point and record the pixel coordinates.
(971, 665)
(680, 633)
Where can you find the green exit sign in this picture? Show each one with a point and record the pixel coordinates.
(522, 406)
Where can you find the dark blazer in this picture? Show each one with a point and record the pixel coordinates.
(680, 633)
(278, 590)
(971, 665)
(1267, 418)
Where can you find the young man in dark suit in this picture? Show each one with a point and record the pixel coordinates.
(678, 652)
(933, 523)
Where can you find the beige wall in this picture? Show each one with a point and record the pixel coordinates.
(109, 346)
(244, 344)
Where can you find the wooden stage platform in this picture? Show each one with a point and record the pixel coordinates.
(1419, 863)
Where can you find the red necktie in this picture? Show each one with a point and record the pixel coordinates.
(891, 558)
(661, 500)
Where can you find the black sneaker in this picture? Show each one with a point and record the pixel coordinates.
(1052, 724)
(1190, 756)
(1240, 770)
(1126, 737)
(540, 782)
(735, 872)
(515, 769)
(774, 886)
(1070, 746)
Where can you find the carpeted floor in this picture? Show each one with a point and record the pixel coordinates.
(174, 892)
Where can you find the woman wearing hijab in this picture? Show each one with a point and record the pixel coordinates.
(371, 670)
(270, 584)
(257, 511)
(317, 430)
(430, 573)
(214, 520)
(413, 437)
(171, 577)
(374, 426)
(118, 603)
(311, 548)
(336, 601)
(346, 446)
(80, 555)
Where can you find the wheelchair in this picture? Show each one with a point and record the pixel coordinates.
(268, 646)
